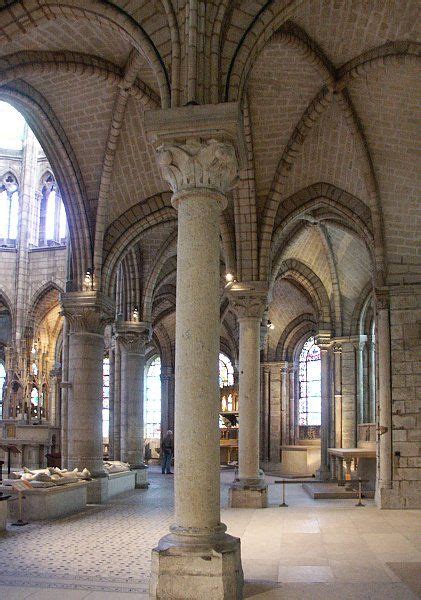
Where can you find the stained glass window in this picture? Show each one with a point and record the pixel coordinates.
(226, 371)
(309, 375)
(153, 400)
(105, 397)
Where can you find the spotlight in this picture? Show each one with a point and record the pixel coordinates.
(270, 325)
(135, 315)
(229, 278)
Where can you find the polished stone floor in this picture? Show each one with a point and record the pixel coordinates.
(312, 549)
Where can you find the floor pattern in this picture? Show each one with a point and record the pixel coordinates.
(325, 549)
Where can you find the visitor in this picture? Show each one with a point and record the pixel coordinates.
(167, 450)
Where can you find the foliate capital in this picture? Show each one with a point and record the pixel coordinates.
(209, 164)
(248, 300)
(381, 299)
(133, 336)
(198, 147)
(87, 312)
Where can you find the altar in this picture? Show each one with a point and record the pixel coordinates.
(361, 460)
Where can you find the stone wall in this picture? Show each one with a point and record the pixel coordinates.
(405, 318)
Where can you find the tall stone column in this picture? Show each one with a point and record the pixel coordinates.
(117, 401)
(87, 313)
(337, 389)
(359, 349)
(111, 400)
(293, 417)
(133, 337)
(323, 342)
(64, 393)
(196, 148)
(372, 378)
(249, 301)
(167, 398)
(384, 445)
(265, 412)
(349, 393)
(285, 406)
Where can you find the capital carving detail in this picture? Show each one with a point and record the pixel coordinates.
(248, 306)
(209, 163)
(133, 337)
(86, 320)
(381, 298)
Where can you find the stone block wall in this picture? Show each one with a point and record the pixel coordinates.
(405, 320)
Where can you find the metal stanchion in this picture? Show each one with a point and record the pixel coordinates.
(283, 495)
(20, 522)
(359, 503)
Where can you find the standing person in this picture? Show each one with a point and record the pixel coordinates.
(167, 451)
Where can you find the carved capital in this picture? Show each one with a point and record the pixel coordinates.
(133, 336)
(198, 147)
(87, 312)
(248, 299)
(208, 164)
(381, 299)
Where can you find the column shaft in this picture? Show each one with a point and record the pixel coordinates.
(64, 394)
(132, 383)
(385, 400)
(197, 342)
(249, 399)
(86, 352)
(325, 415)
(117, 402)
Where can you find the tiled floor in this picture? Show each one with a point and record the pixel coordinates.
(325, 549)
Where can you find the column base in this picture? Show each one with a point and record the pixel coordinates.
(142, 482)
(97, 490)
(244, 494)
(197, 569)
(323, 474)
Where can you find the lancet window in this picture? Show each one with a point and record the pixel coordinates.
(226, 371)
(152, 415)
(309, 375)
(105, 398)
(9, 208)
(53, 224)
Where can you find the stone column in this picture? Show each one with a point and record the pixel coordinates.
(292, 373)
(117, 401)
(323, 342)
(132, 337)
(265, 412)
(249, 301)
(359, 349)
(87, 313)
(372, 379)
(349, 416)
(384, 453)
(64, 393)
(167, 398)
(111, 399)
(197, 559)
(337, 385)
(284, 405)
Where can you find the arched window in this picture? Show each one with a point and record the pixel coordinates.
(226, 371)
(105, 398)
(152, 410)
(9, 207)
(309, 374)
(2, 386)
(53, 223)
